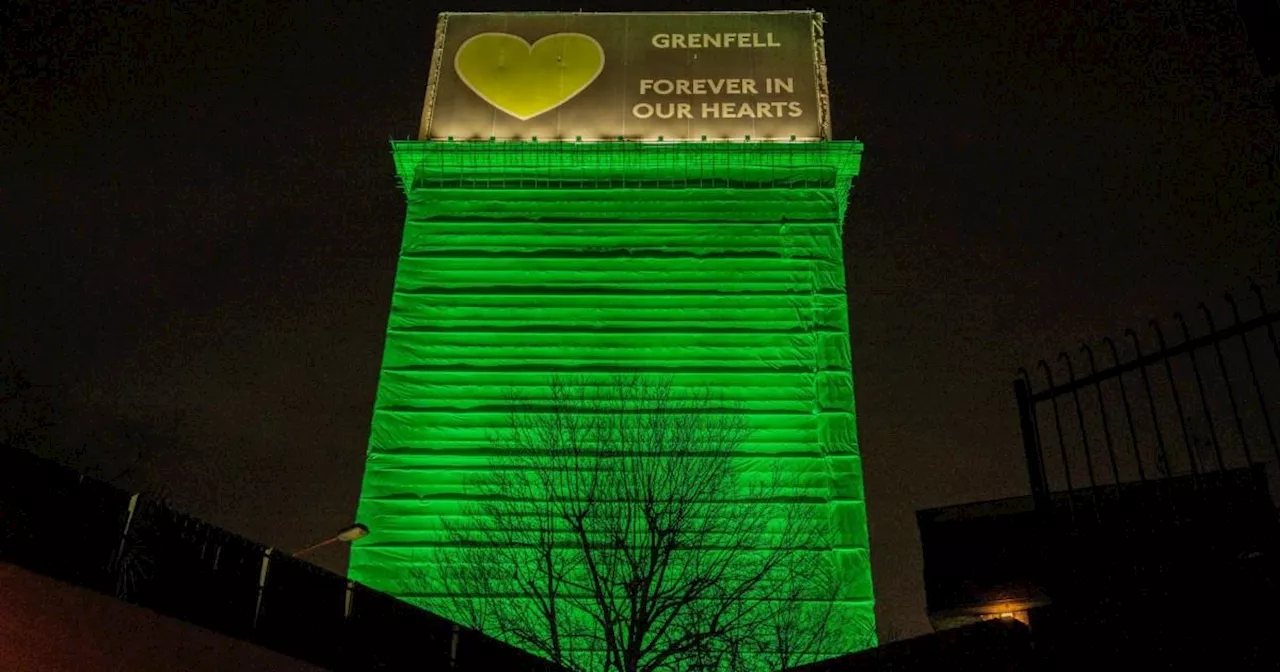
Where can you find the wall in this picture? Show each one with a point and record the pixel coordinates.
(50, 626)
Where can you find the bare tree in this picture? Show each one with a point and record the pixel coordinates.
(614, 531)
(805, 623)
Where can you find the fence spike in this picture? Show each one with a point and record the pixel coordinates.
(1084, 432)
(1057, 423)
(1177, 398)
(1253, 374)
(1102, 409)
(1128, 410)
(1204, 398)
(1226, 380)
(1271, 332)
(1035, 453)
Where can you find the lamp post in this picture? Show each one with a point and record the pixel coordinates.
(347, 534)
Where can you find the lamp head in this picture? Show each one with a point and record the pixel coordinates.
(353, 532)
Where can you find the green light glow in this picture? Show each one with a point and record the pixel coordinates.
(715, 264)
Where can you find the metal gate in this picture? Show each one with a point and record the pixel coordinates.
(1166, 404)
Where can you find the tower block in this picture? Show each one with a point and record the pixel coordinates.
(715, 266)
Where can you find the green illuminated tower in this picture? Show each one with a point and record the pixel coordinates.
(715, 265)
(718, 264)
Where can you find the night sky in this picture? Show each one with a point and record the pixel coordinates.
(199, 222)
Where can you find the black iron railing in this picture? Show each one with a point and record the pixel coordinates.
(1198, 399)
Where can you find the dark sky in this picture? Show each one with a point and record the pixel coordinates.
(199, 222)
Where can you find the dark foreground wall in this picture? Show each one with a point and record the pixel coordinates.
(50, 626)
(1002, 645)
(57, 524)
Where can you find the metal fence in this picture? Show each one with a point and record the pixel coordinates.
(61, 524)
(1186, 400)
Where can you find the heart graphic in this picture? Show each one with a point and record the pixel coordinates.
(525, 80)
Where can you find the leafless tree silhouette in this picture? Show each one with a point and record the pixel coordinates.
(614, 530)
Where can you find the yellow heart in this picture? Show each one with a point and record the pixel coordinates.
(525, 80)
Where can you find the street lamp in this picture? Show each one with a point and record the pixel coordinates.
(347, 534)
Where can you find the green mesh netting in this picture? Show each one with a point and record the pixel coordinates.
(714, 264)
